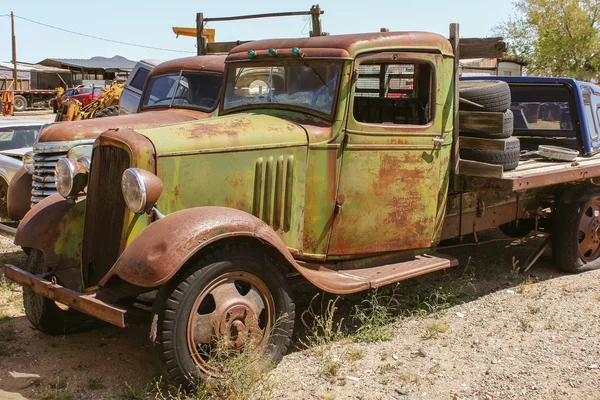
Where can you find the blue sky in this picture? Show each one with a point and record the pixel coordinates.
(149, 23)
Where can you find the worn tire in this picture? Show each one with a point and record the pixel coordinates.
(111, 111)
(567, 232)
(509, 158)
(43, 313)
(175, 302)
(507, 130)
(492, 95)
(20, 103)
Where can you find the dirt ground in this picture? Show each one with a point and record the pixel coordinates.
(45, 115)
(477, 331)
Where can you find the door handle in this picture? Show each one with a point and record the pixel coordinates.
(438, 140)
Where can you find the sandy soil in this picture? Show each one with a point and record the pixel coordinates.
(497, 334)
(34, 115)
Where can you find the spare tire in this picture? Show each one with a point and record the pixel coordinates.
(509, 158)
(507, 130)
(111, 111)
(492, 95)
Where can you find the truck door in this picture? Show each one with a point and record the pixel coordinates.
(394, 173)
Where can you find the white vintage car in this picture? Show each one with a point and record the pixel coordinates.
(16, 138)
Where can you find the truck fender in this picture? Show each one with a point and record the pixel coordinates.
(18, 198)
(55, 227)
(156, 255)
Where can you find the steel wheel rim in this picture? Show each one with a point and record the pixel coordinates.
(589, 231)
(19, 103)
(242, 314)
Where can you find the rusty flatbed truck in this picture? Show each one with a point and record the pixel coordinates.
(305, 171)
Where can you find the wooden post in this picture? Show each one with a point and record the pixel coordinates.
(14, 50)
(199, 34)
(454, 166)
(317, 30)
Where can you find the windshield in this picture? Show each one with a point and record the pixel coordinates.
(18, 137)
(196, 90)
(305, 85)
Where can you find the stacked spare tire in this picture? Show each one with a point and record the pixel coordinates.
(490, 96)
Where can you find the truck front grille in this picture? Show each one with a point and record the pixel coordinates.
(44, 180)
(105, 213)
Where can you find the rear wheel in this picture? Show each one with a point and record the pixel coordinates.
(43, 313)
(232, 298)
(576, 233)
(20, 103)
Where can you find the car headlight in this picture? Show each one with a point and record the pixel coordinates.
(28, 161)
(141, 189)
(71, 177)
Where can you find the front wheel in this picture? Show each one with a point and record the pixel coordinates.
(234, 299)
(576, 233)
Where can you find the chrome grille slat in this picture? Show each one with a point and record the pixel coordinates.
(44, 180)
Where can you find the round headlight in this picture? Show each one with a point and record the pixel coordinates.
(28, 161)
(65, 176)
(141, 189)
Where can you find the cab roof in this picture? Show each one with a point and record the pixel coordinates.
(346, 46)
(211, 63)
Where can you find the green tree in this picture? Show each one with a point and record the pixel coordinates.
(556, 37)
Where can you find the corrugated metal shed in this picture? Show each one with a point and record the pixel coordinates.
(116, 63)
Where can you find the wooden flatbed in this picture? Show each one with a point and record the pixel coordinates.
(530, 174)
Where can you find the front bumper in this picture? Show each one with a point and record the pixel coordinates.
(86, 303)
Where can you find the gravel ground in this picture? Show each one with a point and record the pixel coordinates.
(488, 332)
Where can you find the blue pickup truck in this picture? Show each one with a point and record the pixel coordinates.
(554, 111)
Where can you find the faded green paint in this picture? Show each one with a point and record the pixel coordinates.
(393, 176)
(70, 230)
(229, 133)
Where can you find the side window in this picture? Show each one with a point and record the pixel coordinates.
(139, 78)
(394, 93)
(589, 113)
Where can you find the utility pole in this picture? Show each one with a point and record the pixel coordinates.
(14, 49)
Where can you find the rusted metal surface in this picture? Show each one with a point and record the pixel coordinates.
(55, 227)
(156, 254)
(349, 46)
(86, 303)
(92, 128)
(109, 224)
(393, 177)
(207, 63)
(19, 195)
(589, 231)
(355, 276)
(224, 312)
(474, 212)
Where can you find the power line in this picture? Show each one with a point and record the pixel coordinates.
(97, 37)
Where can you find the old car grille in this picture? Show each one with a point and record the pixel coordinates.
(44, 181)
(105, 213)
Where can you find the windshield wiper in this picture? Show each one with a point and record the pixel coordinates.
(316, 73)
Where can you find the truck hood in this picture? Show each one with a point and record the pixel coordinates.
(232, 132)
(90, 129)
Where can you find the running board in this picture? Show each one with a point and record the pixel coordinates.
(342, 278)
